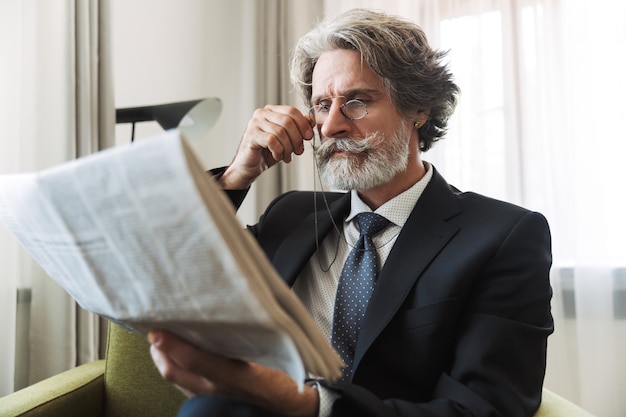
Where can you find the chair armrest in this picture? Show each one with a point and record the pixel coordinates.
(553, 405)
(77, 392)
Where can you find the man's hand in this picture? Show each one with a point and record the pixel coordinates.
(273, 134)
(196, 372)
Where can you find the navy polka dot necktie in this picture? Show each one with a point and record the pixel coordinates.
(356, 284)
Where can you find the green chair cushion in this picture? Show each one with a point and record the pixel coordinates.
(126, 393)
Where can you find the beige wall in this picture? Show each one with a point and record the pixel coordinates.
(175, 50)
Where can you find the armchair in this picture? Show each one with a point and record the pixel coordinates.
(127, 383)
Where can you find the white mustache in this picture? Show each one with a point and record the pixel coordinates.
(325, 149)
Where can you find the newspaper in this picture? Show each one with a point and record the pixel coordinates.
(141, 235)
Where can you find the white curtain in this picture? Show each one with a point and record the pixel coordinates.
(56, 105)
(543, 89)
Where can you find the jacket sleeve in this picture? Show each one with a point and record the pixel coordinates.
(236, 196)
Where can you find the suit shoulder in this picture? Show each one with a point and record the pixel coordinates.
(469, 198)
(492, 209)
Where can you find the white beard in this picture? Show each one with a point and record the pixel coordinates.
(375, 160)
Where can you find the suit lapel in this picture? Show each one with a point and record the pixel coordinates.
(424, 235)
(299, 246)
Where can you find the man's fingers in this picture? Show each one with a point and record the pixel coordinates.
(189, 367)
(197, 372)
(190, 383)
(292, 115)
(283, 131)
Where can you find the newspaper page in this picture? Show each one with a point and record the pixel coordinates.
(129, 235)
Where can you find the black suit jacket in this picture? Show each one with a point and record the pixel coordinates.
(458, 322)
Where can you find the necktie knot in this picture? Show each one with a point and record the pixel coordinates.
(371, 223)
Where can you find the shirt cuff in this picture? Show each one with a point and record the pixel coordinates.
(327, 398)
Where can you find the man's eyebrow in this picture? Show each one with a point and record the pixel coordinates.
(372, 92)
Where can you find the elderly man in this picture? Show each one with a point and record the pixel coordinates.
(453, 311)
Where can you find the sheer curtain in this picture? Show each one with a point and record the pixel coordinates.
(56, 105)
(538, 125)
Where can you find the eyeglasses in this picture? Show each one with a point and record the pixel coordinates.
(354, 109)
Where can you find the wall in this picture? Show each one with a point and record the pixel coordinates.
(176, 50)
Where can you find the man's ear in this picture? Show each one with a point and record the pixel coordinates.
(421, 118)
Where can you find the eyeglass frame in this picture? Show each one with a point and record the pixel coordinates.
(314, 109)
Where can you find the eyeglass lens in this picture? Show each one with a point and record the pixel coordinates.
(351, 109)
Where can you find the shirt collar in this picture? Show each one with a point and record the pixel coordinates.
(398, 209)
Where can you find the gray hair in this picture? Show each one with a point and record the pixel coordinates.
(414, 76)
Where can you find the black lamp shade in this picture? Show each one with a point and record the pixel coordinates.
(168, 116)
(194, 118)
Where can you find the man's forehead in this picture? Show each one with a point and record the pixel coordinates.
(343, 73)
(350, 93)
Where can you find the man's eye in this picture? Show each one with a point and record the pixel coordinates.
(325, 108)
